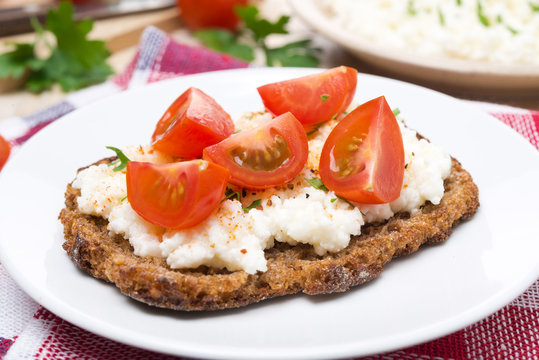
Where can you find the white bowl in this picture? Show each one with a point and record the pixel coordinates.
(453, 73)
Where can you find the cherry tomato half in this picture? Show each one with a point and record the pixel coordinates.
(177, 195)
(314, 98)
(199, 14)
(363, 157)
(266, 156)
(192, 122)
(5, 150)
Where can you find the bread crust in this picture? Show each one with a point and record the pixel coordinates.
(291, 269)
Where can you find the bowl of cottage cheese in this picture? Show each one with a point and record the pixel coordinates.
(488, 45)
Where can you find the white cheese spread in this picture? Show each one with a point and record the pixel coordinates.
(496, 31)
(293, 213)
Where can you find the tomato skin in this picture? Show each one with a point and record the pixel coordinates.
(191, 123)
(284, 137)
(312, 99)
(152, 191)
(199, 14)
(363, 157)
(5, 151)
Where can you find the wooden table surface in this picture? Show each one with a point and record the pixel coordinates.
(122, 35)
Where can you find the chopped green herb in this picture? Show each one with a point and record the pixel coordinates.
(411, 8)
(459, 2)
(334, 117)
(324, 97)
(121, 156)
(512, 30)
(237, 131)
(333, 200)
(349, 203)
(124, 198)
(316, 127)
(317, 184)
(396, 111)
(534, 7)
(231, 194)
(481, 15)
(499, 19)
(253, 37)
(441, 17)
(253, 205)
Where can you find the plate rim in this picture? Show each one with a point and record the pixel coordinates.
(471, 315)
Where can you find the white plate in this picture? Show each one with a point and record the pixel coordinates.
(463, 75)
(485, 264)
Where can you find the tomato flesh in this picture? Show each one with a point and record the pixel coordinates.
(5, 150)
(199, 14)
(266, 156)
(191, 123)
(177, 195)
(312, 99)
(363, 157)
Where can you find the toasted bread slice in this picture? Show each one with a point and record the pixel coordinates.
(291, 269)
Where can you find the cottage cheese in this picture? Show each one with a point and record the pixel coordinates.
(293, 213)
(497, 31)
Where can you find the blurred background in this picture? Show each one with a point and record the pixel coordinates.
(120, 23)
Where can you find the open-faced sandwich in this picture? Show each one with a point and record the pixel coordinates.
(218, 214)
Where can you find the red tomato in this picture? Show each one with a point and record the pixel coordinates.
(191, 123)
(209, 13)
(5, 150)
(363, 157)
(314, 98)
(177, 195)
(266, 156)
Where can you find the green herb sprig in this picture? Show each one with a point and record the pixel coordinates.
(253, 205)
(253, 36)
(74, 61)
(121, 157)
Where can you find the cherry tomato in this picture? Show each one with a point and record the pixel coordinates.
(266, 156)
(191, 123)
(5, 150)
(176, 195)
(209, 13)
(314, 98)
(363, 157)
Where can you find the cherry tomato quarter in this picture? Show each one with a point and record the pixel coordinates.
(363, 157)
(199, 14)
(268, 155)
(191, 123)
(5, 150)
(312, 99)
(176, 195)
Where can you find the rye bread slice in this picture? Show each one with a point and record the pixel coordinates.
(291, 269)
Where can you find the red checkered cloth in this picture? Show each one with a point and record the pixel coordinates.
(28, 330)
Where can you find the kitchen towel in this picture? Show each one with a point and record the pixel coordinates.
(29, 331)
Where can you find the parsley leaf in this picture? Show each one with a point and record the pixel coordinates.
(16, 62)
(324, 97)
(253, 37)
(261, 28)
(396, 111)
(317, 184)
(298, 54)
(224, 41)
(253, 205)
(535, 8)
(75, 61)
(121, 156)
